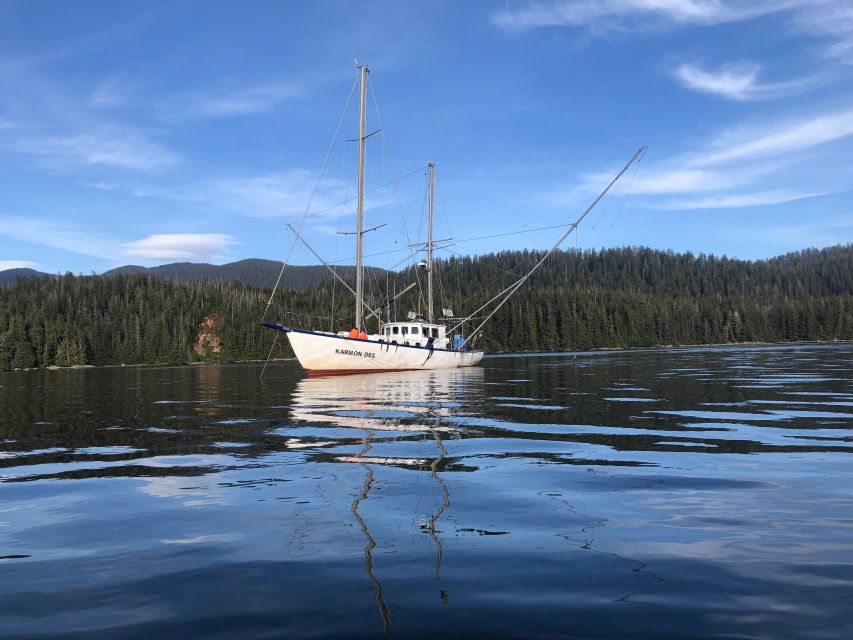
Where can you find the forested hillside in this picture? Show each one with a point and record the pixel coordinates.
(578, 300)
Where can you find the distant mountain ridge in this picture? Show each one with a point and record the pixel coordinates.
(639, 269)
(8, 276)
(255, 272)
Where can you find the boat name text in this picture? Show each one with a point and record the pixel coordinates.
(350, 352)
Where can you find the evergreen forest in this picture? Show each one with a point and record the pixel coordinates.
(609, 298)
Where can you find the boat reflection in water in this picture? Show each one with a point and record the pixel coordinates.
(412, 404)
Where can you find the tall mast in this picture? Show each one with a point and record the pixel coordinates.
(359, 234)
(429, 242)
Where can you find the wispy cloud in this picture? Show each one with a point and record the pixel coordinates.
(279, 195)
(831, 20)
(181, 246)
(111, 92)
(817, 232)
(630, 15)
(103, 185)
(273, 195)
(688, 180)
(58, 234)
(737, 81)
(740, 200)
(780, 138)
(680, 175)
(17, 264)
(112, 146)
(231, 102)
(748, 166)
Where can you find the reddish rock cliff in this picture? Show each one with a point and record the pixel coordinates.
(207, 340)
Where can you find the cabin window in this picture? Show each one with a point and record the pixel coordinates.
(396, 330)
(405, 331)
(435, 333)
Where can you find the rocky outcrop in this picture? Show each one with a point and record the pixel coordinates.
(207, 340)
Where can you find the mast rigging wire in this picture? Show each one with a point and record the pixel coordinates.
(574, 226)
(310, 200)
(627, 193)
(352, 199)
(391, 173)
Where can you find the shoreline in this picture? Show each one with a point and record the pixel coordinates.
(494, 353)
(660, 347)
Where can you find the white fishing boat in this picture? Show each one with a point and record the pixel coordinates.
(421, 342)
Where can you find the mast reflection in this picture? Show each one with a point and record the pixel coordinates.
(405, 403)
(433, 470)
(371, 542)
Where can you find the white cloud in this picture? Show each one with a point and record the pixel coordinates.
(103, 185)
(749, 166)
(278, 195)
(328, 229)
(739, 200)
(106, 145)
(7, 124)
(832, 20)
(609, 15)
(112, 92)
(17, 264)
(821, 231)
(272, 195)
(781, 138)
(737, 81)
(828, 20)
(181, 246)
(58, 234)
(685, 181)
(678, 176)
(237, 102)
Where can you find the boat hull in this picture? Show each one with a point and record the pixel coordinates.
(324, 354)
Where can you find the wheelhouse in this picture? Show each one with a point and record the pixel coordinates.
(415, 334)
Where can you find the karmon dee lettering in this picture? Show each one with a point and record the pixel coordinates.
(350, 352)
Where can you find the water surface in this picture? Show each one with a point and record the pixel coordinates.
(687, 493)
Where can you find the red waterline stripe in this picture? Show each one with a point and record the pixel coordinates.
(317, 373)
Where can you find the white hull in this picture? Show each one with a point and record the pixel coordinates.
(330, 354)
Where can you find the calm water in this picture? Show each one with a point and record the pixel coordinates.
(692, 493)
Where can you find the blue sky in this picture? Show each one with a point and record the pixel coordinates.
(147, 133)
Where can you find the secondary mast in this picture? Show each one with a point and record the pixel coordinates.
(429, 242)
(359, 234)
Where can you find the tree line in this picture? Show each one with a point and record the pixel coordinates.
(628, 297)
